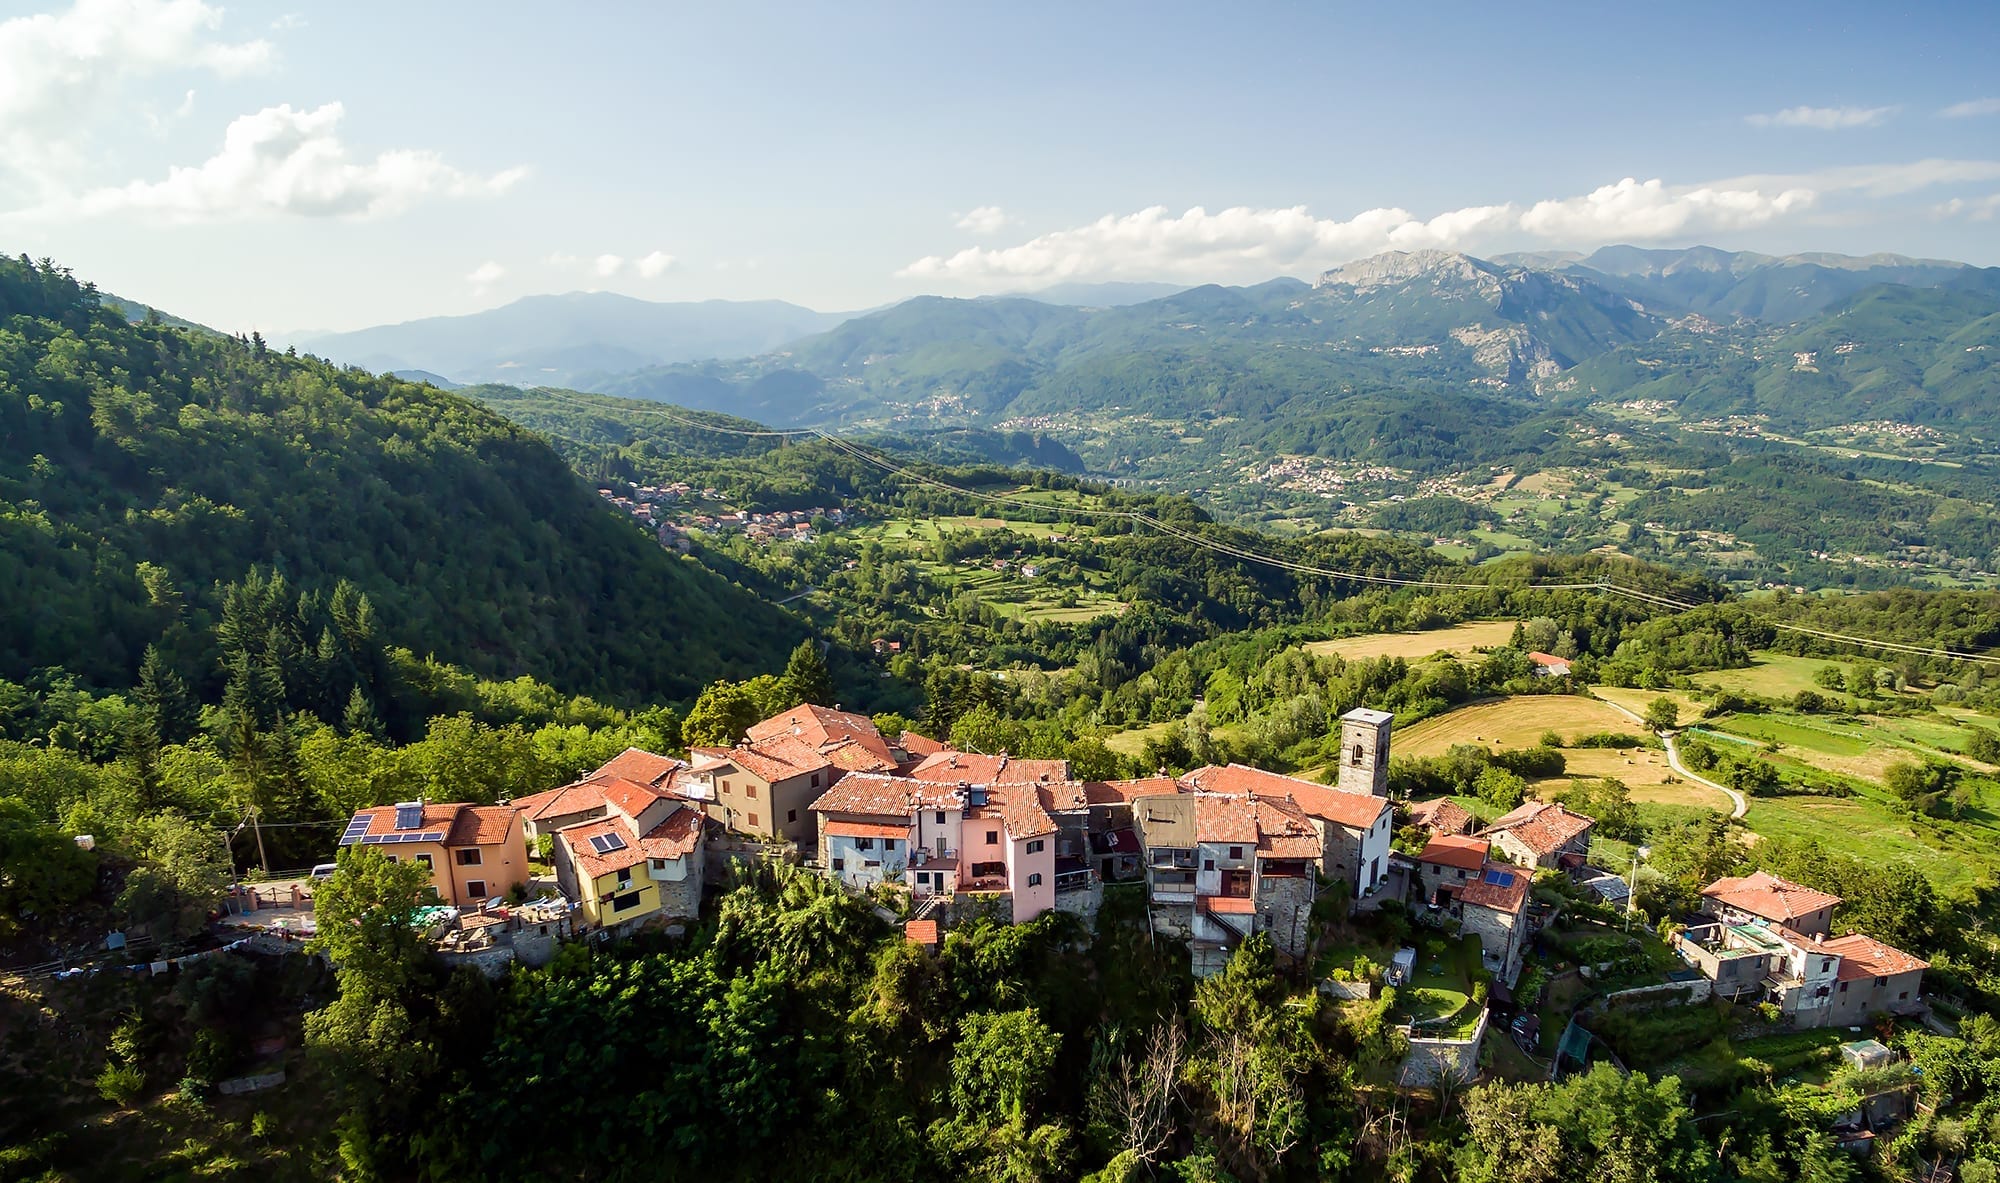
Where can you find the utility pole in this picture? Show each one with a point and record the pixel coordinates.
(257, 828)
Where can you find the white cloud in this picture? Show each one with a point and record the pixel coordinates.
(486, 274)
(987, 219)
(607, 266)
(1975, 209)
(1974, 107)
(1250, 243)
(655, 265)
(1823, 118)
(285, 162)
(60, 71)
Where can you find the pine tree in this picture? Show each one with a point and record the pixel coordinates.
(807, 679)
(163, 695)
(360, 717)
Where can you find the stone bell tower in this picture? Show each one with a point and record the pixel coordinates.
(1364, 752)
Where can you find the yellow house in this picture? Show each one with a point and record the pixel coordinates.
(623, 870)
(473, 852)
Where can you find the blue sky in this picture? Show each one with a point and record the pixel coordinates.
(288, 167)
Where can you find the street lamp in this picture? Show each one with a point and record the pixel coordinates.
(1639, 853)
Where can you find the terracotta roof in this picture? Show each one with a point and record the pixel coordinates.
(559, 802)
(1451, 850)
(865, 830)
(674, 837)
(821, 726)
(1865, 957)
(1065, 796)
(1547, 659)
(593, 864)
(1442, 816)
(1285, 831)
(1019, 807)
(597, 791)
(1500, 886)
(772, 760)
(1764, 894)
(923, 932)
(919, 745)
(1124, 792)
(1225, 819)
(876, 795)
(1356, 810)
(481, 825)
(972, 768)
(1229, 904)
(856, 757)
(637, 764)
(382, 819)
(1543, 827)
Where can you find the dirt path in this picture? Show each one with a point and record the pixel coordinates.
(1742, 803)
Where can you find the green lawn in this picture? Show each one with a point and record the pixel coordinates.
(1441, 986)
(1773, 675)
(1953, 857)
(1829, 738)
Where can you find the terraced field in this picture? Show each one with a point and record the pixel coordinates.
(1516, 722)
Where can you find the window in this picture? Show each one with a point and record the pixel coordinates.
(1825, 963)
(1881, 982)
(468, 857)
(426, 861)
(1208, 864)
(840, 864)
(1843, 987)
(1461, 872)
(815, 780)
(1035, 880)
(1236, 852)
(1036, 846)
(625, 903)
(752, 817)
(940, 817)
(659, 864)
(791, 815)
(475, 889)
(1903, 997)
(864, 844)
(392, 858)
(1356, 758)
(992, 837)
(749, 792)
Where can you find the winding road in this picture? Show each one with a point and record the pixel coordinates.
(1742, 803)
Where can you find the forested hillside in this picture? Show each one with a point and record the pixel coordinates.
(142, 467)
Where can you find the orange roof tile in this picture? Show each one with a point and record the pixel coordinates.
(1543, 827)
(1547, 659)
(820, 726)
(1124, 792)
(577, 839)
(676, 836)
(1019, 807)
(1064, 796)
(382, 818)
(1355, 810)
(637, 764)
(972, 768)
(1500, 886)
(1452, 850)
(1443, 816)
(598, 790)
(1865, 957)
(919, 745)
(843, 829)
(876, 795)
(1764, 894)
(922, 932)
(1225, 819)
(481, 825)
(1229, 904)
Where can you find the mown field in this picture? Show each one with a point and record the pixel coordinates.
(1459, 638)
(1517, 722)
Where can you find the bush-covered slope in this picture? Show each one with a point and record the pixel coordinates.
(141, 464)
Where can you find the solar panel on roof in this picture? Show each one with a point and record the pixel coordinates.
(1500, 878)
(606, 843)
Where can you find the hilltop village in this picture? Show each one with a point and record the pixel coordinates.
(934, 837)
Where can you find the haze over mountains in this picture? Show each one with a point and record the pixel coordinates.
(1427, 316)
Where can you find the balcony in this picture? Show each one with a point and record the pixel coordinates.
(1166, 858)
(931, 860)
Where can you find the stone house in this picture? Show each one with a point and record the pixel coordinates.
(1542, 834)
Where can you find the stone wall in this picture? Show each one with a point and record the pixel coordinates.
(1499, 937)
(1284, 909)
(1430, 1059)
(1334, 988)
(1082, 902)
(681, 898)
(1664, 994)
